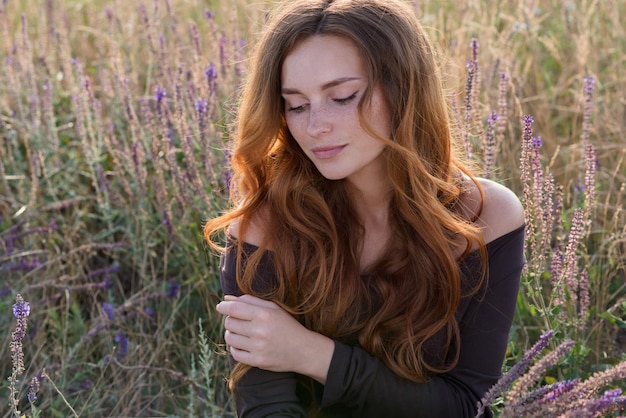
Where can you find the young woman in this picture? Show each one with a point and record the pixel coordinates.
(367, 273)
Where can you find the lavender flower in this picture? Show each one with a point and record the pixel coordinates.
(533, 374)
(570, 258)
(583, 298)
(536, 144)
(589, 408)
(211, 76)
(150, 312)
(603, 378)
(173, 289)
(502, 107)
(195, 38)
(21, 311)
(167, 223)
(525, 162)
(590, 178)
(490, 144)
(122, 344)
(108, 310)
(559, 389)
(469, 91)
(159, 96)
(222, 46)
(590, 83)
(514, 373)
(201, 106)
(34, 389)
(533, 402)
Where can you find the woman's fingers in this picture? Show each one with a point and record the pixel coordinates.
(240, 342)
(252, 300)
(237, 309)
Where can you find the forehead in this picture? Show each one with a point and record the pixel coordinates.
(320, 59)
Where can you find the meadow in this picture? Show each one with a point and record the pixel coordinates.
(115, 123)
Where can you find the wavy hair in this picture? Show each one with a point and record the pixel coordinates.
(407, 301)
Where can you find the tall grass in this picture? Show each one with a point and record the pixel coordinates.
(115, 119)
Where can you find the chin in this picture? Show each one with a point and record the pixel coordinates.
(329, 175)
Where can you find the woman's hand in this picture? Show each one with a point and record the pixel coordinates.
(261, 334)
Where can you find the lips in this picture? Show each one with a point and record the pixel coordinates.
(323, 153)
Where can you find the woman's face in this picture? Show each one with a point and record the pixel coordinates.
(323, 80)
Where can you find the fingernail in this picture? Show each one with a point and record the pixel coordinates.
(230, 297)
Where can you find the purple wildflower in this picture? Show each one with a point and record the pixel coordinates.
(122, 344)
(201, 106)
(195, 37)
(159, 94)
(34, 389)
(583, 298)
(590, 178)
(173, 289)
(211, 76)
(469, 91)
(490, 144)
(108, 310)
(150, 312)
(515, 372)
(590, 83)
(561, 388)
(474, 46)
(588, 408)
(222, 46)
(533, 374)
(21, 311)
(570, 258)
(526, 170)
(227, 173)
(167, 223)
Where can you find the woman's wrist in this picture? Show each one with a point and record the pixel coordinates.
(316, 357)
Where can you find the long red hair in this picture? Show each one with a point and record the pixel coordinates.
(312, 229)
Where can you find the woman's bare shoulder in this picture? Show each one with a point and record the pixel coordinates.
(255, 232)
(502, 211)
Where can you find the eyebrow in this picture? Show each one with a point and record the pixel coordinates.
(325, 86)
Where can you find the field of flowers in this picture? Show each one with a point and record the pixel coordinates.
(115, 122)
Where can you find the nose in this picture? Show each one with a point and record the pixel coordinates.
(319, 122)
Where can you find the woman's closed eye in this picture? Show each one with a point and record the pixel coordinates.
(341, 101)
(346, 100)
(296, 109)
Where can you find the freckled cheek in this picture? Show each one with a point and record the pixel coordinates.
(295, 126)
(379, 119)
(298, 131)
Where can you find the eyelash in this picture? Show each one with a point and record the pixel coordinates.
(342, 101)
(346, 99)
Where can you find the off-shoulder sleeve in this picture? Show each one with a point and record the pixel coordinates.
(259, 393)
(368, 388)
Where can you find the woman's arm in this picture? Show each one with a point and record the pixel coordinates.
(260, 393)
(361, 382)
(365, 385)
(261, 334)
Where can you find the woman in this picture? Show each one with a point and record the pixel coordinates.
(367, 273)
